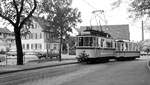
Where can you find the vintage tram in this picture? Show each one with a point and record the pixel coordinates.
(98, 46)
(126, 50)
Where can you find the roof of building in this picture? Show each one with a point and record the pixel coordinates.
(46, 28)
(43, 23)
(119, 32)
(5, 30)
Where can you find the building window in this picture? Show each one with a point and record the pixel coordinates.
(47, 35)
(23, 46)
(28, 46)
(40, 35)
(31, 36)
(35, 46)
(46, 45)
(55, 46)
(40, 46)
(35, 35)
(31, 46)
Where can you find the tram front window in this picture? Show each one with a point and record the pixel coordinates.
(86, 41)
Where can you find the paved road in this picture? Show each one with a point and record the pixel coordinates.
(30, 75)
(113, 73)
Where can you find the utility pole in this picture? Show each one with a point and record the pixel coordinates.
(60, 45)
(142, 31)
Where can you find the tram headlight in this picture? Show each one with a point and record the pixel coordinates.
(83, 55)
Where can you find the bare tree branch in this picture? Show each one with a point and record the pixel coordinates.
(8, 19)
(21, 6)
(30, 14)
(15, 4)
(18, 14)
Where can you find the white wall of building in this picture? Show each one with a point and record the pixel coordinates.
(38, 41)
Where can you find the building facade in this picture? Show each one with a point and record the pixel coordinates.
(7, 39)
(39, 40)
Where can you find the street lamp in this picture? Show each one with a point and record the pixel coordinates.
(142, 31)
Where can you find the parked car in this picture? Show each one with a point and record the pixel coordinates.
(2, 58)
(44, 55)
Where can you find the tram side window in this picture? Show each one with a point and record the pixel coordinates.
(102, 42)
(89, 41)
(119, 46)
(80, 41)
(134, 47)
(113, 44)
(116, 45)
(94, 41)
(126, 46)
(109, 44)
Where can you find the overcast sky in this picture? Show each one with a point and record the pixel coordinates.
(113, 17)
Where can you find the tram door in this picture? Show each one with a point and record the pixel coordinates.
(120, 49)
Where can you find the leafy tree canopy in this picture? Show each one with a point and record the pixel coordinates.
(17, 13)
(140, 8)
(61, 16)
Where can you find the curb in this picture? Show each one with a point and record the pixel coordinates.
(148, 65)
(34, 68)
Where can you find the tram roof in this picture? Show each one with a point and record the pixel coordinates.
(118, 32)
(95, 33)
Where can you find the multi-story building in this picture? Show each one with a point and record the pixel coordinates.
(40, 40)
(7, 39)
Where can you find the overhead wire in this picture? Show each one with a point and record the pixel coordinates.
(89, 4)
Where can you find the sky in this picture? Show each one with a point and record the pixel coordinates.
(116, 16)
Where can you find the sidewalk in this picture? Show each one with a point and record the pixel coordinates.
(32, 66)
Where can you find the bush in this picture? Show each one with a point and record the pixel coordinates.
(2, 52)
(2, 58)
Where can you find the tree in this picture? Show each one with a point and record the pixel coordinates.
(147, 50)
(140, 8)
(17, 13)
(61, 17)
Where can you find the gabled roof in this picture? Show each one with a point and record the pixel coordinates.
(119, 32)
(43, 23)
(5, 30)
